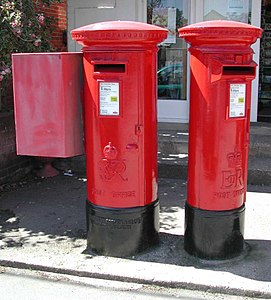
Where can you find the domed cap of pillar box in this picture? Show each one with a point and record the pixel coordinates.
(119, 32)
(215, 33)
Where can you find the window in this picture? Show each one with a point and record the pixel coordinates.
(172, 55)
(234, 10)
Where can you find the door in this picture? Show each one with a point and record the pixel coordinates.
(113, 145)
(86, 12)
(247, 11)
(172, 59)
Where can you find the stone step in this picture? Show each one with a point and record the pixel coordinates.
(173, 154)
(175, 141)
(260, 145)
(259, 169)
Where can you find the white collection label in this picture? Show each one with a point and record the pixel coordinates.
(237, 100)
(109, 99)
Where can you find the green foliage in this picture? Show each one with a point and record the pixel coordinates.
(23, 28)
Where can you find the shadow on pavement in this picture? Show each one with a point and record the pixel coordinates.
(253, 263)
(49, 213)
(43, 212)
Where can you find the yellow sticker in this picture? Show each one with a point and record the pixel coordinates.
(114, 99)
(241, 100)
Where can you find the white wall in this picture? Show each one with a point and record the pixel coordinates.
(86, 12)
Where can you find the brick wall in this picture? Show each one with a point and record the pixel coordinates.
(12, 166)
(59, 36)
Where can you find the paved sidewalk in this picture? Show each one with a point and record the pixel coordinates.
(42, 227)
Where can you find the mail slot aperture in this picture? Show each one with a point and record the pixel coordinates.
(109, 68)
(238, 70)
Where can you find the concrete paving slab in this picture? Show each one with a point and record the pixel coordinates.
(42, 227)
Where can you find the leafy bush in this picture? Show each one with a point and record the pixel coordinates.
(24, 27)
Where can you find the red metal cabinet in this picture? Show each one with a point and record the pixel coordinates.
(47, 88)
(120, 134)
(222, 69)
(219, 132)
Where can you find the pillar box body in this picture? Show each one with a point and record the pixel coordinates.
(119, 60)
(222, 69)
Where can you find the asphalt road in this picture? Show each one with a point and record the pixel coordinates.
(27, 285)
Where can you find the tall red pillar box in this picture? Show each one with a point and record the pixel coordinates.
(121, 135)
(222, 69)
(47, 90)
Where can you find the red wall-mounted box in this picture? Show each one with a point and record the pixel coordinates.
(47, 104)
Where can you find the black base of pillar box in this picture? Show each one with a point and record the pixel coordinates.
(214, 234)
(122, 232)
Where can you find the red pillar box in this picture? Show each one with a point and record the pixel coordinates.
(120, 133)
(47, 90)
(221, 73)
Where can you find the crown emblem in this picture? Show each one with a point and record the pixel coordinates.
(234, 159)
(110, 151)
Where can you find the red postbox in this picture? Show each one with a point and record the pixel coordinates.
(222, 69)
(119, 60)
